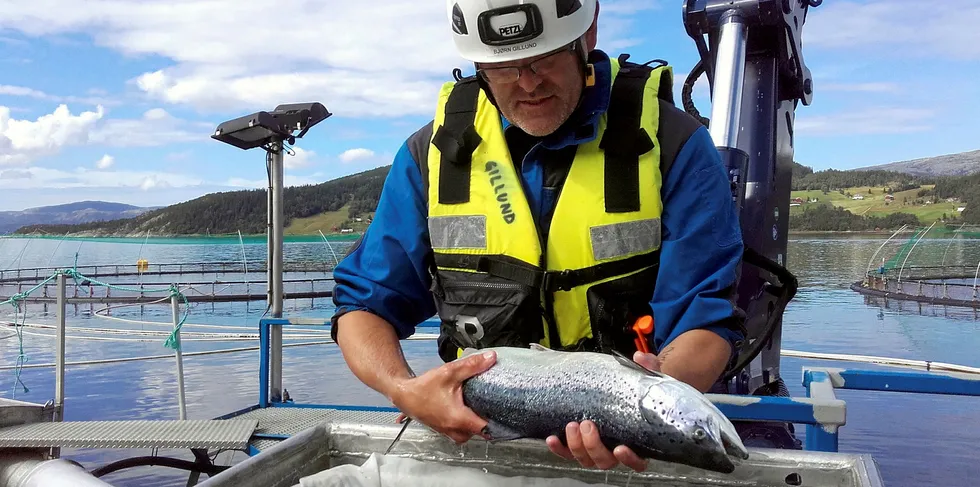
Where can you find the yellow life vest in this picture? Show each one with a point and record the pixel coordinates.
(495, 282)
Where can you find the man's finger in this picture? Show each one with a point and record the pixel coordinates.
(603, 458)
(574, 439)
(647, 360)
(467, 367)
(554, 444)
(629, 458)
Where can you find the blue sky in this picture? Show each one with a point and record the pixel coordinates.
(116, 100)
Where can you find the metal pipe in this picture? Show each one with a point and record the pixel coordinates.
(943, 264)
(181, 404)
(910, 253)
(868, 270)
(59, 378)
(975, 276)
(726, 98)
(275, 264)
(30, 470)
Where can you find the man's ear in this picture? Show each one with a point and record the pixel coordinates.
(591, 35)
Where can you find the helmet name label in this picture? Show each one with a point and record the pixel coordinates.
(519, 47)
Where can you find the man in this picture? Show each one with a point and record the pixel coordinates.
(534, 209)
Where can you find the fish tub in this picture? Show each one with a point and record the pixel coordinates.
(352, 454)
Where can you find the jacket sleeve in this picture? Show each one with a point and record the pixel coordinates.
(386, 271)
(701, 248)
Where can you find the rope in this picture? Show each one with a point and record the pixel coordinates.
(416, 337)
(185, 335)
(172, 342)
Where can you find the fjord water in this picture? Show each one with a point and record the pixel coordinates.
(916, 439)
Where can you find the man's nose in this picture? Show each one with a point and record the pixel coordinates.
(528, 79)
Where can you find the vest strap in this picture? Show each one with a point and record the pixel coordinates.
(549, 281)
(456, 139)
(625, 140)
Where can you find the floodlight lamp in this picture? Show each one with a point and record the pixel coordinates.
(248, 132)
(300, 116)
(262, 128)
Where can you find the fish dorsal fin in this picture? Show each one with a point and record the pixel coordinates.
(537, 347)
(622, 359)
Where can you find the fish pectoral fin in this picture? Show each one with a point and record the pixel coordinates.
(622, 359)
(500, 432)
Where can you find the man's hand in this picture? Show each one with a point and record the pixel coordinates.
(584, 444)
(435, 398)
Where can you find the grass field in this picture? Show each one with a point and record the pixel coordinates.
(874, 203)
(324, 222)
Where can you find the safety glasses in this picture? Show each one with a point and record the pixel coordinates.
(510, 74)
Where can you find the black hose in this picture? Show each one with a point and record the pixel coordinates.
(688, 88)
(207, 469)
(785, 293)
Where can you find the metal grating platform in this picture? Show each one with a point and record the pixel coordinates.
(288, 421)
(227, 434)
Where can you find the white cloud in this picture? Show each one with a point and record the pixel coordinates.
(46, 178)
(288, 180)
(11, 90)
(353, 155)
(22, 141)
(383, 60)
(869, 121)
(105, 162)
(945, 29)
(300, 158)
(155, 128)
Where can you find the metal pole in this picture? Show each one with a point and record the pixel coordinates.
(726, 98)
(868, 270)
(943, 265)
(175, 307)
(975, 276)
(59, 378)
(902, 269)
(275, 264)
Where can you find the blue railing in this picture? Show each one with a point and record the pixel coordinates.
(821, 411)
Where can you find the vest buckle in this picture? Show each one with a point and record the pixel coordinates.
(558, 281)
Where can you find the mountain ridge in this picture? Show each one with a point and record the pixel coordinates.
(358, 194)
(78, 212)
(954, 164)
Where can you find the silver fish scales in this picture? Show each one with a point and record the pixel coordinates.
(536, 392)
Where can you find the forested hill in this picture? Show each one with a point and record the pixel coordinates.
(858, 200)
(828, 203)
(245, 211)
(804, 179)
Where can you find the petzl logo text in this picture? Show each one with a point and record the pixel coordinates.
(510, 30)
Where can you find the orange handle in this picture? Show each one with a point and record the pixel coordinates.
(643, 326)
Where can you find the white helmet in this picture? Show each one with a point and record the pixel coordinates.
(490, 31)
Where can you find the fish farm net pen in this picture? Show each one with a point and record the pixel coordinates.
(112, 287)
(936, 265)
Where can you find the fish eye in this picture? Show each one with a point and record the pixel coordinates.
(700, 433)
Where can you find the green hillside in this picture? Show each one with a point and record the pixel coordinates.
(828, 201)
(326, 206)
(872, 201)
(329, 222)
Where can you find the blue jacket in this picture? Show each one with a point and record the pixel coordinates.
(386, 271)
